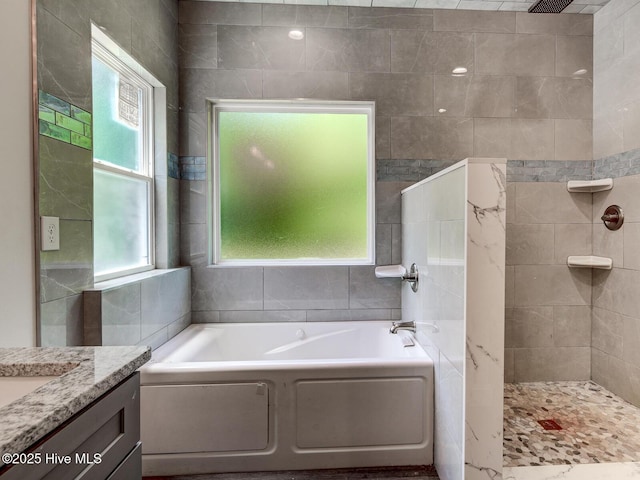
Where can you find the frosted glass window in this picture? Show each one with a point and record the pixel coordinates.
(294, 183)
(122, 167)
(121, 222)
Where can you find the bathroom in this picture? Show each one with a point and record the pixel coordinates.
(553, 94)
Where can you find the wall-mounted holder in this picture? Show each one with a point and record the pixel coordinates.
(398, 271)
(589, 261)
(590, 186)
(613, 217)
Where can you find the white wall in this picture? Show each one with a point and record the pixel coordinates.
(453, 228)
(17, 286)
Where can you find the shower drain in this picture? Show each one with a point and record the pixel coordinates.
(549, 425)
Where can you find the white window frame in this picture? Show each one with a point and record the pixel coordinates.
(285, 106)
(108, 52)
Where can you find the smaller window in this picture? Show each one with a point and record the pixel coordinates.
(293, 183)
(122, 167)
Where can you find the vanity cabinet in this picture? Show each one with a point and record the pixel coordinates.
(102, 441)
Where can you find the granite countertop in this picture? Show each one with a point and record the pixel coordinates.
(85, 373)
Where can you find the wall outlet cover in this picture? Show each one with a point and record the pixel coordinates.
(49, 233)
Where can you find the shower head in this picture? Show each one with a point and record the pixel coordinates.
(549, 6)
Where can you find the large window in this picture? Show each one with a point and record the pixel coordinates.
(122, 167)
(293, 183)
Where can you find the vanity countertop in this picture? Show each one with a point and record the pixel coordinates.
(85, 374)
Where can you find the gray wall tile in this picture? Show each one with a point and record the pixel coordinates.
(574, 54)
(572, 326)
(193, 201)
(304, 16)
(68, 271)
(53, 325)
(383, 243)
(367, 314)
(301, 288)
(348, 50)
(534, 201)
(316, 85)
(474, 95)
(610, 244)
(467, 21)
(394, 93)
(419, 51)
(503, 54)
(567, 24)
(66, 180)
(200, 84)
(631, 240)
(551, 285)
(198, 46)
(227, 288)
(405, 18)
(238, 316)
(121, 315)
(367, 291)
(219, 13)
(193, 244)
(616, 291)
(193, 134)
(573, 139)
(164, 299)
(552, 97)
(492, 136)
(529, 327)
(389, 201)
(572, 239)
(429, 137)
(530, 244)
(552, 364)
(259, 47)
(383, 137)
(64, 60)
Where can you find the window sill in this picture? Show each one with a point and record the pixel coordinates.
(129, 279)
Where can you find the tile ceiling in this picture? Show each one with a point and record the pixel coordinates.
(577, 6)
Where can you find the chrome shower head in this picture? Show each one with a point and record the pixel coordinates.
(549, 6)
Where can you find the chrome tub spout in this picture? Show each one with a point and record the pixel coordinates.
(411, 326)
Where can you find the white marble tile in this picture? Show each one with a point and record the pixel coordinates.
(484, 322)
(593, 471)
(438, 234)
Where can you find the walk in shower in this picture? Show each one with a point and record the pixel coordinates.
(572, 335)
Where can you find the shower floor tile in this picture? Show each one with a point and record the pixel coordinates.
(597, 426)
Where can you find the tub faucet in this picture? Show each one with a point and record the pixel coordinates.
(395, 326)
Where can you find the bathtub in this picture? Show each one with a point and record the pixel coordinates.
(286, 396)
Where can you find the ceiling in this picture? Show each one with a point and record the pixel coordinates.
(577, 6)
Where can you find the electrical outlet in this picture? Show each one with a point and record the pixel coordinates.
(50, 233)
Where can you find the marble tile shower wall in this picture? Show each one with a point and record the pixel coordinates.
(148, 31)
(615, 357)
(521, 99)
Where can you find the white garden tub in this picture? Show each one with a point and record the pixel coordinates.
(286, 396)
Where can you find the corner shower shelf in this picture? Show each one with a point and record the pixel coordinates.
(590, 186)
(590, 261)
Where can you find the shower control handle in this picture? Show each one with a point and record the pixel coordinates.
(613, 218)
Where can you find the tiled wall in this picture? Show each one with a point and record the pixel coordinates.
(144, 310)
(146, 29)
(548, 315)
(454, 229)
(520, 100)
(616, 294)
